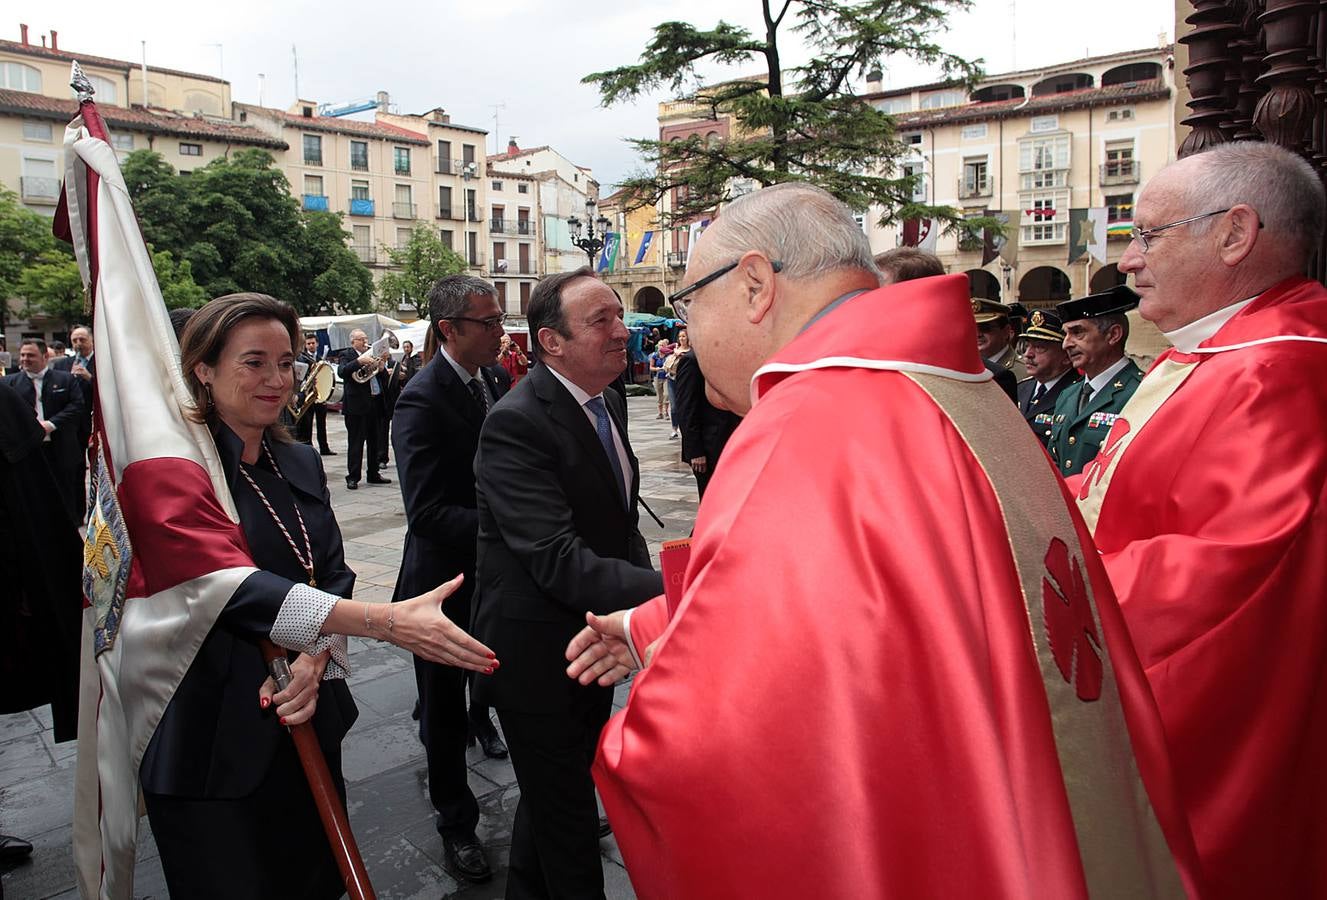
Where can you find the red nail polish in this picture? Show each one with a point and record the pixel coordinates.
(263, 702)
(492, 655)
(488, 671)
(496, 663)
(283, 720)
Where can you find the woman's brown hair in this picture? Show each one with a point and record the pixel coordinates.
(205, 337)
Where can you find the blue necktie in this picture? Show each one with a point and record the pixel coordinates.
(605, 429)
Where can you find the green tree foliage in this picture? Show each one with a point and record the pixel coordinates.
(25, 238)
(234, 226)
(422, 261)
(178, 288)
(799, 123)
(52, 286)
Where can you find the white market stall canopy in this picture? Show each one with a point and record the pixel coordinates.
(339, 327)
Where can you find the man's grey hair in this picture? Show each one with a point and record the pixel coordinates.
(450, 296)
(1281, 186)
(1104, 323)
(801, 225)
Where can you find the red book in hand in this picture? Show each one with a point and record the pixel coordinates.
(673, 559)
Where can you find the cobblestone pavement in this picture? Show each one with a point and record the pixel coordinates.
(383, 760)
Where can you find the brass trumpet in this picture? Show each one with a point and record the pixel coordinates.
(316, 387)
(380, 351)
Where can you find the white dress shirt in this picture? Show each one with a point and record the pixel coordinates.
(1096, 384)
(583, 398)
(466, 377)
(1187, 338)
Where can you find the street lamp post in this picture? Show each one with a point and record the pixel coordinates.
(584, 235)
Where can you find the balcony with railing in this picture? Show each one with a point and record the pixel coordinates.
(313, 159)
(969, 187)
(361, 207)
(365, 252)
(475, 213)
(1122, 171)
(403, 211)
(525, 227)
(524, 267)
(38, 189)
(501, 226)
(453, 213)
(315, 203)
(475, 261)
(678, 259)
(359, 163)
(444, 167)
(402, 167)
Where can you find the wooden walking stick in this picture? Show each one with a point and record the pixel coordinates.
(328, 801)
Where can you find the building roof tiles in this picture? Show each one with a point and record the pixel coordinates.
(138, 119)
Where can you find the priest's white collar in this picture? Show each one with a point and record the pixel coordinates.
(1187, 337)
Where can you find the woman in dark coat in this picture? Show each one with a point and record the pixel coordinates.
(228, 802)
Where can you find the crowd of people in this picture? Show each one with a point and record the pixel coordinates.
(974, 605)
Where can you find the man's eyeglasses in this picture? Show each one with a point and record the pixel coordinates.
(1144, 235)
(681, 305)
(490, 323)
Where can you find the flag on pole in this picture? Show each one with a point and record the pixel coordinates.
(1079, 233)
(694, 232)
(1003, 246)
(1096, 245)
(164, 550)
(920, 233)
(608, 256)
(644, 248)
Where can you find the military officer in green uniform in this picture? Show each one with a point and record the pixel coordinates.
(995, 336)
(1095, 331)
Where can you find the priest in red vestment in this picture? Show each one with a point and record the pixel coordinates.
(1206, 502)
(896, 669)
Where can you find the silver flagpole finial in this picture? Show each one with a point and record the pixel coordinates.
(80, 83)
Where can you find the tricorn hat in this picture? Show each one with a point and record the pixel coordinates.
(1118, 299)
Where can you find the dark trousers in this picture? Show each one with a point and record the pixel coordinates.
(384, 443)
(304, 430)
(361, 430)
(555, 838)
(443, 727)
(71, 480)
(267, 845)
(703, 478)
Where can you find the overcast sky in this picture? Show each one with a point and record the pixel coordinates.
(527, 55)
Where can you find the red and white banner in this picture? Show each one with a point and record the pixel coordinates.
(164, 550)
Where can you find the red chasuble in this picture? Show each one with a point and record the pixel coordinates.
(1207, 500)
(894, 671)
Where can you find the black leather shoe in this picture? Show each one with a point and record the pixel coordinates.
(327, 451)
(488, 739)
(604, 828)
(352, 484)
(13, 848)
(465, 857)
(378, 479)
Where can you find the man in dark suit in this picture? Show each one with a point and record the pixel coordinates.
(83, 366)
(705, 428)
(438, 417)
(304, 429)
(363, 403)
(57, 399)
(558, 538)
(1049, 373)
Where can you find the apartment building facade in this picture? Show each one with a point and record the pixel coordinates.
(1037, 143)
(561, 190)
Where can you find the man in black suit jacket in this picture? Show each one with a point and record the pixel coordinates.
(558, 537)
(311, 355)
(436, 433)
(59, 408)
(83, 366)
(1048, 365)
(705, 428)
(363, 404)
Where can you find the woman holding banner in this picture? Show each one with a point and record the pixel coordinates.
(230, 808)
